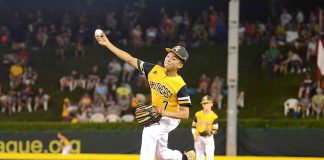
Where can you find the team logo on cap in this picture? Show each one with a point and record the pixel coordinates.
(177, 48)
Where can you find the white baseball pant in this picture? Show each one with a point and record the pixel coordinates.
(205, 145)
(155, 141)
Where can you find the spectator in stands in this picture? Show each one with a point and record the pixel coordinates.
(41, 99)
(76, 75)
(111, 82)
(65, 112)
(271, 54)
(124, 103)
(27, 97)
(97, 107)
(313, 18)
(280, 65)
(81, 34)
(82, 116)
(295, 62)
(136, 36)
(81, 82)
(6, 102)
(292, 37)
(60, 50)
(306, 87)
(11, 101)
(85, 102)
(42, 36)
(110, 101)
(261, 30)
(167, 30)
(212, 23)
(68, 81)
(285, 18)
(151, 35)
(23, 55)
(318, 103)
(62, 40)
(304, 105)
(4, 36)
(300, 17)
(79, 50)
(114, 68)
(123, 91)
(29, 76)
(128, 72)
(250, 32)
(203, 84)
(111, 22)
(311, 46)
(280, 34)
(216, 91)
(305, 33)
(199, 35)
(52, 33)
(16, 72)
(93, 78)
(101, 92)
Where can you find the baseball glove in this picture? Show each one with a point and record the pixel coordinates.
(147, 115)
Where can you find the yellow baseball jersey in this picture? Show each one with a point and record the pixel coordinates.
(169, 93)
(205, 121)
(64, 141)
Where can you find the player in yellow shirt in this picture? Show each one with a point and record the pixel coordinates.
(204, 126)
(65, 143)
(169, 95)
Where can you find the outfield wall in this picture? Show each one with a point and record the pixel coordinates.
(269, 142)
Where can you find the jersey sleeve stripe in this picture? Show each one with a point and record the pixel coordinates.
(183, 98)
(140, 66)
(186, 105)
(183, 102)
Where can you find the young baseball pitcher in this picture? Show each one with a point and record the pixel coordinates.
(204, 126)
(169, 96)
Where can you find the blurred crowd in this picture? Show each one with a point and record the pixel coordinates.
(293, 42)
(105, 98)
(23, 92)
(292, 39)
(292, 50)
(39, 28)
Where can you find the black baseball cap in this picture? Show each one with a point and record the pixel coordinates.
(206, 99)
(179, 51)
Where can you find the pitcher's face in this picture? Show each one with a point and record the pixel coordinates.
(172, 62)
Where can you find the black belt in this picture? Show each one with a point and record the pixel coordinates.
(204, 134)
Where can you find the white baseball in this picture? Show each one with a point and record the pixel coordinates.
(98, 32)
